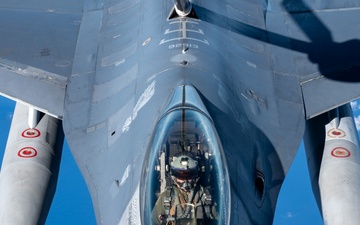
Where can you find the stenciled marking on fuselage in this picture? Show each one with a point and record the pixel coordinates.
(251, 95)
(184, 45)
(134, 208)
(185, 33)
(168, 31)
(125, 175)
(131, 214)
(181, 21)
(163, 41)
(144, 98)
(96, 127)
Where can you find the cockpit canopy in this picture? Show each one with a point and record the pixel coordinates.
(185, 146)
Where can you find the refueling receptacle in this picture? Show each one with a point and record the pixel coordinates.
(182, 7)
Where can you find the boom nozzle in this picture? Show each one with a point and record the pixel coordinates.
(182, 7)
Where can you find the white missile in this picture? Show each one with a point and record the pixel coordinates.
(339, 178)
(30, 168)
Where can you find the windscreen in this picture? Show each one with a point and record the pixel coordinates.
(185, 179)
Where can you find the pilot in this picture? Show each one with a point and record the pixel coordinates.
(185, 199)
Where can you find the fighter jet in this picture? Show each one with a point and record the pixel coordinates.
(180, 112)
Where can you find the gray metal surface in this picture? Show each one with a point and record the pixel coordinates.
(43, 90)
(261, 68)
(36, 51)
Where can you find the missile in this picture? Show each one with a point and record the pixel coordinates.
(339, 178)
(30, 167)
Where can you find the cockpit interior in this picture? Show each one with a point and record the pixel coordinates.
(185, 178)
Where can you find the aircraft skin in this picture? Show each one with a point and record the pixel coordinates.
(263, 72)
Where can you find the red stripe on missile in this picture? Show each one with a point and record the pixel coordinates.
(27, 152)
(31, 133)
(340, 152)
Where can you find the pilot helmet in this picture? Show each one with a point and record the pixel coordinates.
(184, 170)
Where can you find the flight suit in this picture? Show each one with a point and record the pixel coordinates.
(205, 211)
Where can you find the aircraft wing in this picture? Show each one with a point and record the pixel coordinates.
(323, 48)
(37, 45)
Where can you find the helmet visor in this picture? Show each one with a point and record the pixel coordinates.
(184, 174)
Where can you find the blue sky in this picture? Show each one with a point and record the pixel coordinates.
(72, 204)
